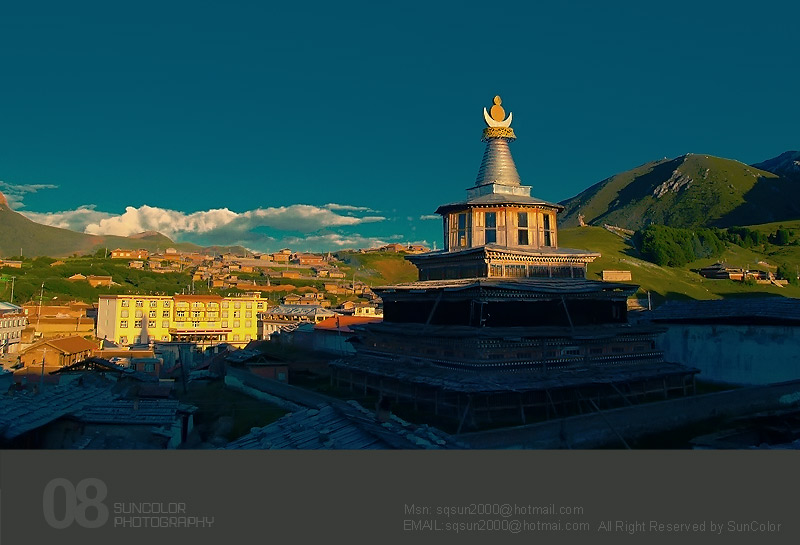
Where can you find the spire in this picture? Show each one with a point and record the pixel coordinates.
(497, 166)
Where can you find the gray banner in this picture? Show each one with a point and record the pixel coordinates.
(200, 497)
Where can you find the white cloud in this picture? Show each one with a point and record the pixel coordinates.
(430, 217)
(300, 218)
(333, 241)
(298, 224)
(15, 193)
(348, 207)
(76, 220)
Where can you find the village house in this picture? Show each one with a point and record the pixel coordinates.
(282, 256)
(393, 247)
(12, 322)
(49, 355)
(286, 317)
(49, 321)
(129, 254)
(308, 259)
(10, 264)
(99, 281)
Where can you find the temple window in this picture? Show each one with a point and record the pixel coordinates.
(462, 230)
(548, 233)
(522, 232)
(491, 227)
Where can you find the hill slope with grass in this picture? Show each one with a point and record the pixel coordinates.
(679, 282)
(688, 191)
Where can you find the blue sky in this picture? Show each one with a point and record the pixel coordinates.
(329, 125)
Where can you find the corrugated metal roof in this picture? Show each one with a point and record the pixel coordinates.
(156, 412)
(490, 381)
(342, 425)
(21, 413)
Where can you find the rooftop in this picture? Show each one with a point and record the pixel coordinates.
(65, 345)
(341, 425)
(778, 310)
(545, 286)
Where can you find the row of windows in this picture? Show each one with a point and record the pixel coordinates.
(140, 304)
(463, 229)
(137, 339)
(195, 304)
(138, 323)
(10, 335)
(13, 323)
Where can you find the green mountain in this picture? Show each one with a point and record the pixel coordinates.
(688, 191)
(618, 253)
(20, 234)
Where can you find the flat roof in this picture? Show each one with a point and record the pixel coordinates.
(731, 310)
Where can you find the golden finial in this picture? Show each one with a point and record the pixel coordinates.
(498, 115)
(497, 111)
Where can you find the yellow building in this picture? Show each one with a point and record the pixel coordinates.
(203, 319)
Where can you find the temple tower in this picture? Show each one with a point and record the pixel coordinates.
(500, 230)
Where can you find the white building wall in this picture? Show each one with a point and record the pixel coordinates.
(735, 354)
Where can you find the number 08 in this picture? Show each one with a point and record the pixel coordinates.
(76, 503)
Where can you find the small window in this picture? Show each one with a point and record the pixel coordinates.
(491, 227)
(522, 233)
(151, 323)
(139, 303)
(547, 232)
(123, 340)
(123, 314)
(165, 314)
(139, 314)
(123, 323)
(166, 304)
(153, 314)
(149, 367)
(462, 230)
(165, 324)
(125, 303)
(137, 323)
(153, 304)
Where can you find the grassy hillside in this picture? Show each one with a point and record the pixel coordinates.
(688, 191)
(378, 268)
(670, 282)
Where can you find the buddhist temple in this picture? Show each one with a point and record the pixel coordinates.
(503, 326)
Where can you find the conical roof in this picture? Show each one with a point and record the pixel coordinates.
(497, 165)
